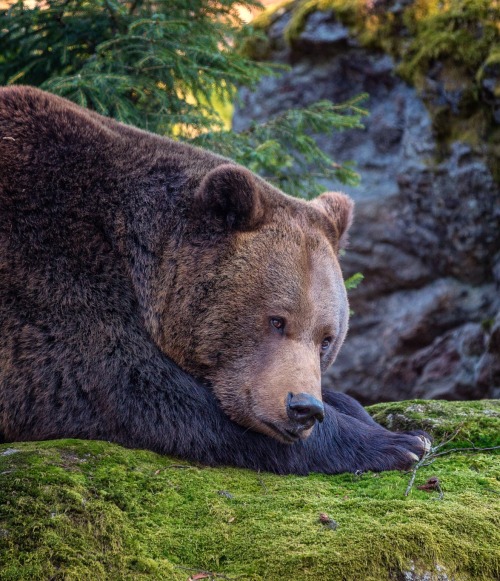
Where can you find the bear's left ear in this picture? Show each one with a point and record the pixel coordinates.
(340, 209)
(230, 195)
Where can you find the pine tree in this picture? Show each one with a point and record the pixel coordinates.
(169, 66)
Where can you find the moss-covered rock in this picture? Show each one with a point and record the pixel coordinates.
(449, 51)
(93, 510)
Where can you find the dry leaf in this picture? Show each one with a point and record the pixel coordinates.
(327, 521)
(431, 484)
(323, 517)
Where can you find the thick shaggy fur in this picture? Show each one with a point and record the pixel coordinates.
(122, 252)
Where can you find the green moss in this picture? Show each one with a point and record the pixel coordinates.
(492, 63)
(268, 16)
(93, 510)
(474, 421)
(461, 38)
(370, 27)
(257, 45)
(463, 31)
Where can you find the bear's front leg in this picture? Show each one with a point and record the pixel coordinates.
(350, 443)
(350, 407)
(347, 405)
(158, 406)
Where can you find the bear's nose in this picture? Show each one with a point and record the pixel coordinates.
(303, 408)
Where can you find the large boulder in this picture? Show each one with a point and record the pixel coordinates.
(78, 510)
(427, 230)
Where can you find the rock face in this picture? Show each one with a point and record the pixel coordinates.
(427, 229)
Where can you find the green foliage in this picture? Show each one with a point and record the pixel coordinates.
(354, 281)
(284, 151)
(77, 510)
(464, 32)
(347, 10)
(168, 66)
(155, 65)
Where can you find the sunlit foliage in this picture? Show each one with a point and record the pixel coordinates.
(169, 66)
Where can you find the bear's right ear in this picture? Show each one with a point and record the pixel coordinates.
(230, 195)
(339, 208)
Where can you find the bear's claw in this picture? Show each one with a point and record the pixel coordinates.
(413, 446)
(414, 457)
(427, 443)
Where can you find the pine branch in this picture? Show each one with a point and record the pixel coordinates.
(170, 66)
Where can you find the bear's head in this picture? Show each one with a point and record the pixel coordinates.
(254, 299)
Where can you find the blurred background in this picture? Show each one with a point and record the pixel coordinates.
(396, 102)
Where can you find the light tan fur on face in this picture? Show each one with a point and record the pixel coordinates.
(305, 287)
(226, 293)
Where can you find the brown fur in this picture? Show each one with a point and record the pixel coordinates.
(124, 255)
(282, 263)
(242, 253)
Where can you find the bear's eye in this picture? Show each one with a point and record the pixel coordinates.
(325, 344)
(278, 323)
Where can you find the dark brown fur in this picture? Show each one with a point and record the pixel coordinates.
(122, 252)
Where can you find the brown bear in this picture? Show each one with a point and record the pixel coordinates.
(159, 296)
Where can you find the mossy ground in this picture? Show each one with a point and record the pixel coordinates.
(93, 510)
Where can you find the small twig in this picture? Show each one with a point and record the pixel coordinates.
(450, 439)
(261, 482)
(418, 465)
(470, 449)
(211, 574)
(428, 458)
(431, 455)
(427, 463)
(412, 480)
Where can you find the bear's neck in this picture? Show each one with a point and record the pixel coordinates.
(151, 225)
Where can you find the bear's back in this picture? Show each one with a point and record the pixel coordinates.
(44, 137)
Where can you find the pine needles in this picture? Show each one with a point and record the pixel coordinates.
(171, 67)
